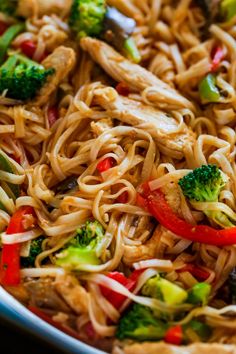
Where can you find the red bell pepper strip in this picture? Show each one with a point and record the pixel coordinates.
(10, 259)
(28, 47)
(105, 164)
(217, 56)
(53, 323)
(198, 272)
(174, 335)
(53, 115)
(3, 27)
(156, 204)
(114, 298)
(123, 198)
(123, 89)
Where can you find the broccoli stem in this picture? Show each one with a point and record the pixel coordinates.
(25, 60)
(132, 50)
(7, 38)
(219, 218)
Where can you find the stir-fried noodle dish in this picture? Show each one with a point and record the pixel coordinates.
(118, 172)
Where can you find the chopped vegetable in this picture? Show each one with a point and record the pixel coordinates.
(28, 47)
(208, 90)
(7, 38)
(94, 18)
(174, 335)
(123, 198)
(22, 77)
(160, 288)
(68, 184)
(157, 206)
(140, 324)
(114, 298)
(105, 164)
(123, 89)
(199, 294)
(204, 185)
(85, 248)
(198, 272)
(35, 250)
(217, 56)
(10, 259)
(132, 50)
(8, 6)
(232, 286)
(87, 16)
(3, 27)
(201, 329)
(228, 9)
(6, 166)
(53, 115)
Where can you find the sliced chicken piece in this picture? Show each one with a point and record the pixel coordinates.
(136, 77)
(28, 8)
(62, 60)
(148, 250)
(42, 294)
(170, 138)
(101, 126)
(164, 348)
(73, 293)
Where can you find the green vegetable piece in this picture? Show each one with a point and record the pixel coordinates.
(208, 90)
(172, 293)
(68, 184)
(8, 7)
(87, 16)
(7, 38)
(22, 77)
(86, 248)
(199, 294)
(204, 185)
(202, 329)
(228, 9)
(35, 250)
(140, 324)
(163, 289)
(6, 166)
(132, 50)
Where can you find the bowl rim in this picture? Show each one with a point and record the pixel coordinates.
(18, 315)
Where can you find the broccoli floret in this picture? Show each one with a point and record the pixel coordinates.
(87, 17)
(164, 290)
(94, 18)
(140, 324)
(35, 250)
(204, 185)
(85, 248)
(22, 77)
(8, 6)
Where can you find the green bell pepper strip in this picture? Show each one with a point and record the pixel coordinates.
(7, 38)
(208, 90)
(228, 9)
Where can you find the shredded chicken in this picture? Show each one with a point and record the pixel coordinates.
(148, 250)
(43, 7)
(163, 348)
(171, 140)
(101, 126)
(172, 195)
(136, 77)
(62, 60)
(73, 293)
